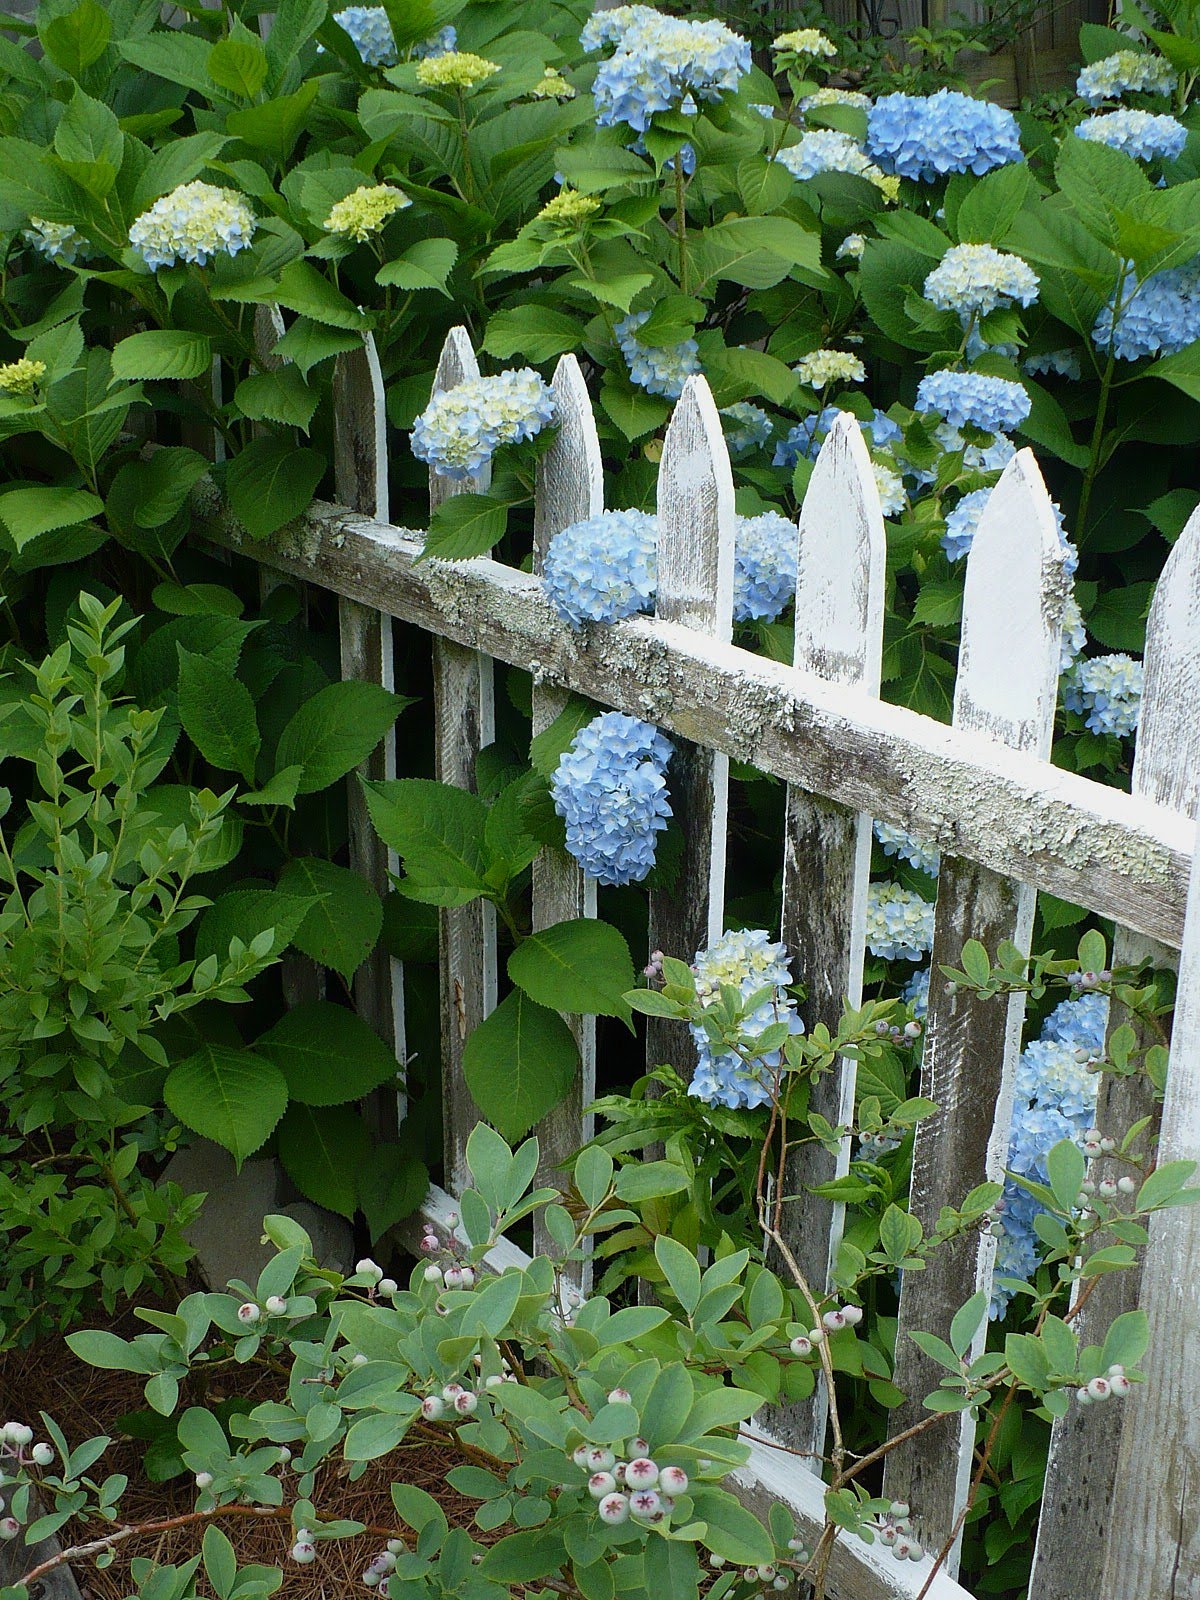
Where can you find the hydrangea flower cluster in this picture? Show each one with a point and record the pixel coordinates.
(915, 992)
(460, 430)
(747, 960)
(366, 210)
(973, 279)
(747, 428)
(455, 69)
(892, 495)
(828, 96)
(1159, 316)
(657, 369)
(57, 241)
(603, 568)
(828, 150)
(819, 368)
(1107, 692)
(852, 248)
(899, 842)
(925, 137)
(1140, 134)
(193, 223)
(659, 63)
(805, 439)
(1063, 363)
(1074, 634)
(899, 923)
(1055, 1099)
(371, 34)
(553, 86)
(1125, 72)
(962, 524)
(805, 42)
(21, 377)
(610, 790)
(764, 567)
(994, 405)
(568, 210)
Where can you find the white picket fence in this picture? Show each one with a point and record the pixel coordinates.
(1007, 824)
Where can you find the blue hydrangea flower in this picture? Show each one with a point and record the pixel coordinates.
(805, 439)
(372, 36)
(1062, 363)
(659, 62)
(1160, 316)
(994, 405)
(603, 568)
(443, 43)
(194, 223)
(746, 960)
(881, 432)
(1107, 692)
(1125, 72)
(1140, 134)
(1082, 1023)
(825, 150)
(899, 923)
(57, 241)
(974, 279)
(460, 430)
(764, 567)
(747, 428)
(915, 992)
(962, 524)
(610, 790)
(1074, 634)
(925, 137)
(659, 370)
(899, 842)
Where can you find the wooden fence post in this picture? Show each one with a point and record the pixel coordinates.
(360, 469)
(570, 487)
(1151, 1525)
(827, 847)
(1007, 688)
(1084, 1445)
(464, 722)
(696, 529)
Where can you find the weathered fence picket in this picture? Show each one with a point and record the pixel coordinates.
(1081, 1472)
(983, 790)
(1007, 687)
(464, 724)
(570, 487)
(696, 528)
(827, 847)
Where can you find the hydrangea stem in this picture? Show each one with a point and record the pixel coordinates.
(681, 222)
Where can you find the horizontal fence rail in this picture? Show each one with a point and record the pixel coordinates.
(1008, 824)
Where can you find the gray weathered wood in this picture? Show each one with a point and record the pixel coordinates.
(464, 722)
(366, 651)
(1153, 1519)
(1121, 855)
(570, 487)
(827, 847)
(1007, 688)
(17, 1557)
(696, 527)
(1081, 1472)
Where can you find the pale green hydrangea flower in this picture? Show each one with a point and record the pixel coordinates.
(366, 210)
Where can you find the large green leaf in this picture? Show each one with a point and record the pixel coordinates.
(26, 513)
(275, 125)
(583, 966)
(233, 1097)
(270, 482)
(281, 396)
(537, 332)
(162, 353)
(390, 1187)
(244, 914)
(327, 1053)
(75, 39)
(217, 712)
(424, 265)
(323, 1152)
(342, 927)
(310, 294)
(336, 730)
(466, 525)
(438, 831)
(519, 1063)
(238, 62)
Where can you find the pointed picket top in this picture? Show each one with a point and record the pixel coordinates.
(360, 431)
(570, 475)
(456, 364)
(840, 565)
(696, 517)
(269, 328)
(1166, 756)
(1012, 614)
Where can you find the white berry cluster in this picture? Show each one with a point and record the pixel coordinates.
(633, 1486)
(378, 1571)
(769, 1575)
(455, 1400)
(894, 1529)
(18, 1450)
(832, 1321)
(454, 1274)
(377, 1283)
(1114, 1385)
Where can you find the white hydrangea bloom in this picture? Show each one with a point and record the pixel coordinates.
(974, 279)
(193, 223)
(819, 368)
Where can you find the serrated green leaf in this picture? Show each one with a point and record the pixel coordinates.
(233, 1097)
(336, 730)
(519, 1063)
(323, 1151)
(327, 1054)
(217, 712)
(580, 966)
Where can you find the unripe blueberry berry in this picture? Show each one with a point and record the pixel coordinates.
(638, 1447)
(453, 1277)
(795, 1546)
(494, 1381)
(42, 1455)
(899, 1508)
(1120, 1386)
(853, 1315)
(384, 1589)
(600, 1484)
(749, 1574)
(204, 1480)
(800, 1346)
(916, 1551)
(19, 1433)
(302, 1554)
(1083, 1397)
(358, 1359)
(452, 1389)
(9, 1528)
(388, 1286)
(370, 1579)
(1108, 1145)
(248, 1313)
(396, 1547)
(580, 1454)
(600, 1460)
(276, 1305)
(1127, 1185)
(285, 1455)
(816, 1334)
(781, 1582)
(466, 1403)
(641, 1474)
(614, 1509)
(1108, 1189)
(881, 1028)
(619, 1471)
(1087, 1186)
(716, 1562)
(902, 1548)
(765, 1572)
(673, 1481)
(887, 1535)
(452, 1220)
(430, 1242)
(433, 1408)
(432, 1273)
(644, 1504)
(368, 1269)
(619, 1397)
(1099, 1388)
(1116, 1370)
(912, 1030)
(468, 1277)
